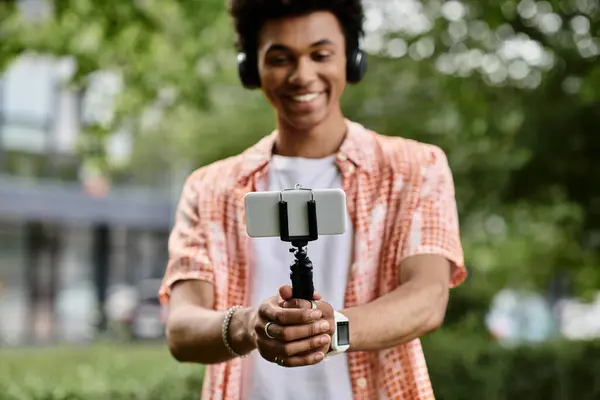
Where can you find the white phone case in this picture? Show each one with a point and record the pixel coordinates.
(262, 212)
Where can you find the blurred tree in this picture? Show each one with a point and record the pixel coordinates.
(162, 55)
(509, 89)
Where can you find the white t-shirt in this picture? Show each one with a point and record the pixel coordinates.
(331, 257)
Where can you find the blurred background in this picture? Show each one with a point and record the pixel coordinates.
(106, 106)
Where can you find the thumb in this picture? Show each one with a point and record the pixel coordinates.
(285, 292)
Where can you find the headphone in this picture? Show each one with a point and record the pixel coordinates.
(356, 68)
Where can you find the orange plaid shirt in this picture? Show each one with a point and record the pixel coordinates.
(400, 196)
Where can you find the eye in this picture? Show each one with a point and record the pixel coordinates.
(278, 60)
(321, 55)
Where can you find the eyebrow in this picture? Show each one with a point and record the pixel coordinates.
(281, 47)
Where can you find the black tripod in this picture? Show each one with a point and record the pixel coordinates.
(301, 271)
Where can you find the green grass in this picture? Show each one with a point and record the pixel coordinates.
(103, 371)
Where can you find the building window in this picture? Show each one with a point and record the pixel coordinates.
(39, 118)
(27, 104)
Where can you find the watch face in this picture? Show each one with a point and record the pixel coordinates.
(343, 334)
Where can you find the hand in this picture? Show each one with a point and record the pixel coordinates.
(326, 309)
(296, 333)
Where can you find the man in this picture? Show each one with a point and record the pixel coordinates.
(389, 275)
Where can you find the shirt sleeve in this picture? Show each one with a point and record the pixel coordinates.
(434, 226)
(188, 252)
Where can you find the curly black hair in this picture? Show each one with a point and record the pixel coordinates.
(250, 15)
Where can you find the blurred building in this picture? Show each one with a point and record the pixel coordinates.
(68, 240)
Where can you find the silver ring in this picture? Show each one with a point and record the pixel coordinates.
(313, 304)
(278, 361)
(267, 331)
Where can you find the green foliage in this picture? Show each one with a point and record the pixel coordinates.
(509, 89)
(165, 55)
(465, 367)
(462, 367)
(101, 372)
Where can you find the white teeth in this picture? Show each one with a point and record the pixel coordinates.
(305, 98)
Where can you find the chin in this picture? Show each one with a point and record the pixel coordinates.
(306, 122)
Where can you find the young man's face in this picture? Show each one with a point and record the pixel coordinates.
(302, 67)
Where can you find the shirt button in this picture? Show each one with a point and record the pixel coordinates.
(362, 383)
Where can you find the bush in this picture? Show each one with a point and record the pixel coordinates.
(463, 367)
(100, 372)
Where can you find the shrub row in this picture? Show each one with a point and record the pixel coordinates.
(461, 367)
(100, 372)
(468, 368)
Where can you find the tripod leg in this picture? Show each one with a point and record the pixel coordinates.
(302, 278)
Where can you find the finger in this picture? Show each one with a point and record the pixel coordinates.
(297, 303)
(287, 316)
(301, 361)
(271, 309)
(295, 332)
(295, 348)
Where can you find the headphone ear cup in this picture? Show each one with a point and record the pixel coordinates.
(247, 72)
(356, 66)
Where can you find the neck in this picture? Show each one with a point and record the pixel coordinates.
(320, 141)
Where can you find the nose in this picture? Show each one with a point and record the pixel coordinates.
(304, 72)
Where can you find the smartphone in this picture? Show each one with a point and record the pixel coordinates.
(262, 212)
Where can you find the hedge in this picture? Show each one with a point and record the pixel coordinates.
(100, 372)
(461, 367)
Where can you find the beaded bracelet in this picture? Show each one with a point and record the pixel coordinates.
(225, 331)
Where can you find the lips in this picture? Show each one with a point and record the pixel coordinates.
(306, 97)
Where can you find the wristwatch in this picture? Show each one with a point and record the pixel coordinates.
(340, 340)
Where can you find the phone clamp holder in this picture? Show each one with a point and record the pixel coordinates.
(301, 271)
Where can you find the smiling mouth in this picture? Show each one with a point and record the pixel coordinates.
(306, 98)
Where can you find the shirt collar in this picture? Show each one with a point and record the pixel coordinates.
(355, 152)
